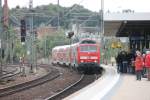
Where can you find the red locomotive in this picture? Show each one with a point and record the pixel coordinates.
(84, 56)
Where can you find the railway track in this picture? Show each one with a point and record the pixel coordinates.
(13, 89)
(9, 74)
(14, 72)
(82, 82)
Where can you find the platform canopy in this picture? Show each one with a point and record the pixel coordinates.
(124, 24)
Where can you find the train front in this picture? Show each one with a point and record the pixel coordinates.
(89, 57)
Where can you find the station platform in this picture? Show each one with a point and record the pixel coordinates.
(114, 86)
(98, 89)
(128, 88)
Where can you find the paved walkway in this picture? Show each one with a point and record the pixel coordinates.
(129, 88)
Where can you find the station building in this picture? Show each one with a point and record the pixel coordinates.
(134, 26)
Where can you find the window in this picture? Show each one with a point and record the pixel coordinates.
(88, 48)
(88, 42)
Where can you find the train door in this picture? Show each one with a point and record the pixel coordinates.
(75, 56)
(68, 55)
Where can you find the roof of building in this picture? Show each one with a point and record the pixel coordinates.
(126, 16)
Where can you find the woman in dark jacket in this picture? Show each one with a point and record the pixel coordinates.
(124, 61)
(119, 63)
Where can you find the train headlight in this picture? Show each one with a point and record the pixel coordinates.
(82, 61)
(95, 61)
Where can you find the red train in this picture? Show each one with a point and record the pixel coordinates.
(84, 56)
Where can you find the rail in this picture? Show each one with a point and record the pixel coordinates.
(73, 87)
(53, 96)
(30, 84)
(10, 74)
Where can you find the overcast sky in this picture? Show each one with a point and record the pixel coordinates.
(94, 5)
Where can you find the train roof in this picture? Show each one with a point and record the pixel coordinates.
(61, 47)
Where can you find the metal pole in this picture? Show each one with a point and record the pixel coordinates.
(102, 29)
(45, 45)
(1, 38)
(58, 23)
(31, 38)
(70, 54)
(102, 17)
(13, 49)
(36, 54)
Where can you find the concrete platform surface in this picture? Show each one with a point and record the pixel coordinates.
(129, 88)
(98, 89)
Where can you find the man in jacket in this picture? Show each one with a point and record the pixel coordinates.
(124, 60)
(147, 64)
(138, 65)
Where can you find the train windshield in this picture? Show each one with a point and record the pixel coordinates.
(88, 48)
(88, 42)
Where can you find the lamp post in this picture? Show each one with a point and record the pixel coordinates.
(58, 23)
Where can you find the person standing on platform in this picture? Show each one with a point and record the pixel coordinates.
(138, 65)
(119, 63)
(147, 64)
(133, 55)
(144, 68)
(129, 58)
(124, 61)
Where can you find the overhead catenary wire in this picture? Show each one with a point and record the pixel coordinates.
(68, 12)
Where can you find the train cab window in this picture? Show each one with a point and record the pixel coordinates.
(88, 42)
(88, 48)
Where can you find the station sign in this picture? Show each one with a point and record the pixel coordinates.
(116, 45)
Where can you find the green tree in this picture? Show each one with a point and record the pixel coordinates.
(45, 45)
